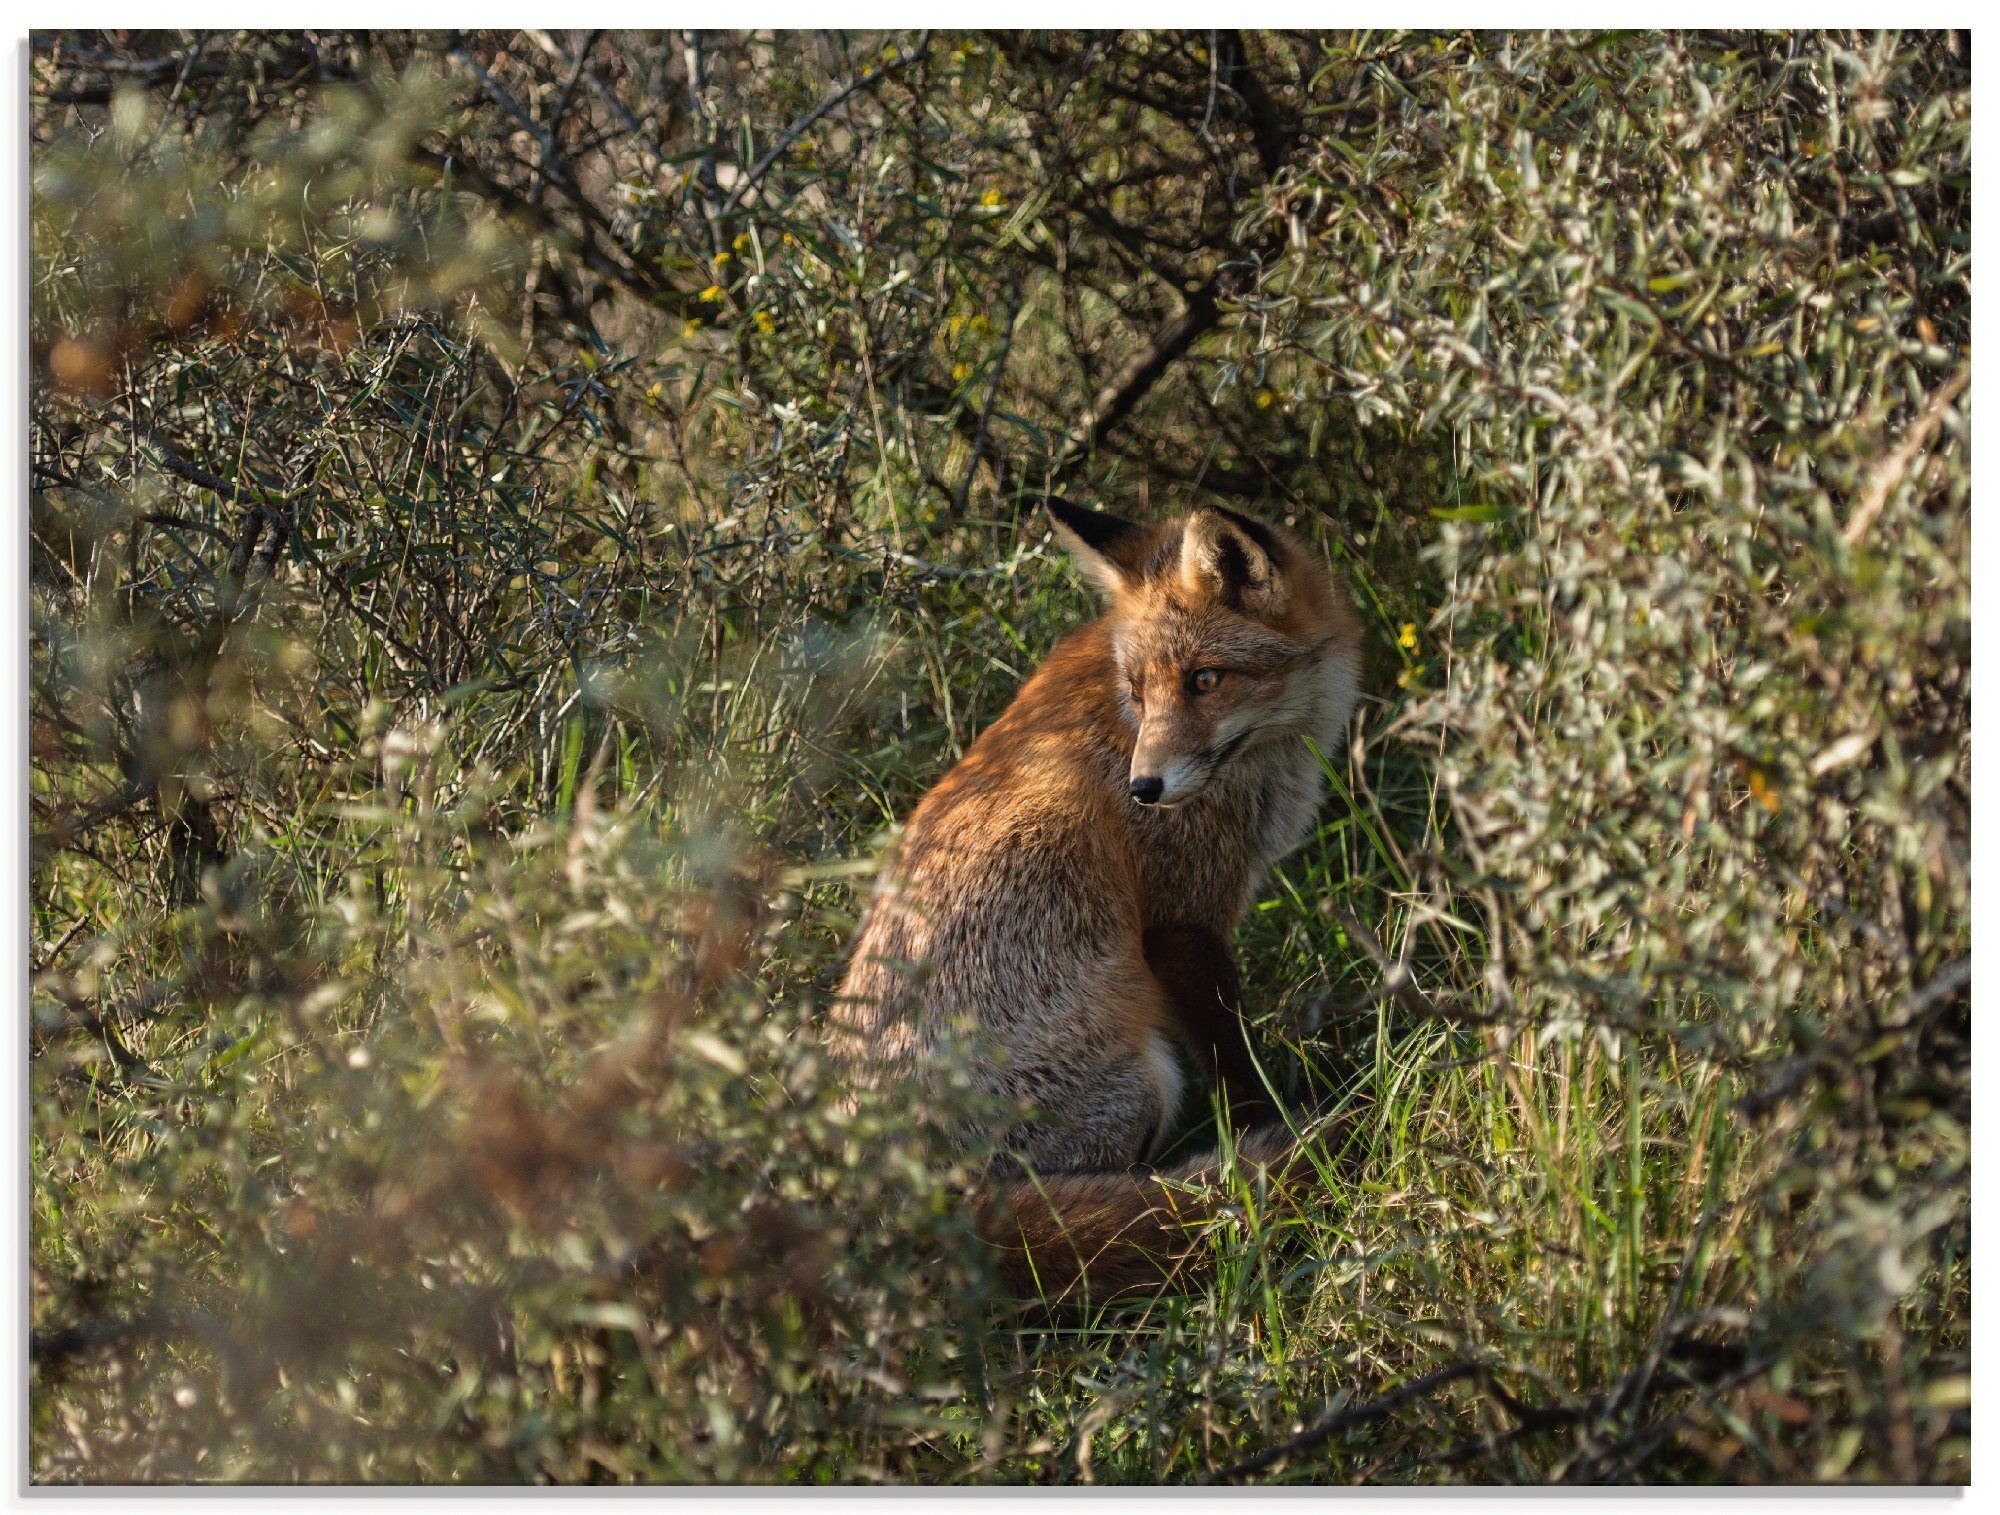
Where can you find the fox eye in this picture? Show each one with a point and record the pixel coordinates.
(1132, 694)
(1204, 680)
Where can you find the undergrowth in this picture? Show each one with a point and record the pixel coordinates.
(517, 518)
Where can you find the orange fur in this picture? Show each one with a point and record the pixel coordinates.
(1077, 931)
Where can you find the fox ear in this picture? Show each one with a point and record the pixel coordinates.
(1111, 550)
(1236, 559)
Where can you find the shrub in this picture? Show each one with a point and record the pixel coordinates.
(516, 517)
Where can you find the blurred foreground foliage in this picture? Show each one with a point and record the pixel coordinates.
(516, 515)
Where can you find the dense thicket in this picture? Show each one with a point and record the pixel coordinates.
(515, 516)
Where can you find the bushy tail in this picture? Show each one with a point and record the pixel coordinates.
(1076, 1236)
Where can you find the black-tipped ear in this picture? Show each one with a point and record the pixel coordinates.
(1112, 550)
(1235, 559)
(1260, 534)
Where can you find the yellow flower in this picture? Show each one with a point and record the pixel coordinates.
(981, 325)
(764, 322)
(722, 258)
(991, 198)
(788, 239)
(1410, 676)
(961, 373)
(742, 241)
(1760, 786)
(690, 326)
(713, 294)
(1265, 397)
(653, 393)
(1407, 637)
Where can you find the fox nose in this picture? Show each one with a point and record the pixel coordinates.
(1147, 791)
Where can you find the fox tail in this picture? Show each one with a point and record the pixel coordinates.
(1074, 1236)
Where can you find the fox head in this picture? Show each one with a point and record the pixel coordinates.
(1228, 634)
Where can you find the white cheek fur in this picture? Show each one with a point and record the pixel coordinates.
(1325, 694)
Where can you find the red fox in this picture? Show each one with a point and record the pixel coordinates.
(1068, 891)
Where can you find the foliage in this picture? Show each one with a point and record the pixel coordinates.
(517, 516)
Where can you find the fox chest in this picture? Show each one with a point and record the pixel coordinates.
(1204, 862)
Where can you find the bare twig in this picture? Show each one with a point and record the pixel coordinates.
(624, 271)
(704, 173)
(964, 490)
(1627, 1396)
(1332, 1423)
(561, 112)
(627, 270)
(546, 41)
(1397, 984)
(1889, 472)
(804, 124)
(1948, 980)
(498, 93)
(262, 497)
(1622, 1458)
(1200, 313)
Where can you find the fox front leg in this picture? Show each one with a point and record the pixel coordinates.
(1198, 972)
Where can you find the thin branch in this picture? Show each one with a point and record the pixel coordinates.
(1631, 1393)
(496, 91)
(1951, 978)
(172, 522)
(1201, 314)
(804, 124)
(964, 489)
(560, 114)
(263, 497)
(554, 170)
(711, 196)
(1890, 471)
(630, 275)
(1274, 141)
(546, 41)
(1333, 1422)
